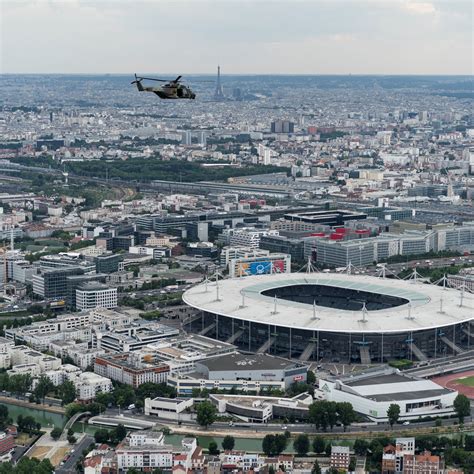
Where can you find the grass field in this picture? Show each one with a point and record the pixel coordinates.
(58, 455)
(39, 452)
(468, 381)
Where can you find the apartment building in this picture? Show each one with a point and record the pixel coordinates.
(130, 369)
(340, 457)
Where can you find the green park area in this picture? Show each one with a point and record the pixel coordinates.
(468, 381)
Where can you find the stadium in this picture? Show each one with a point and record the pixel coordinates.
(327, 317)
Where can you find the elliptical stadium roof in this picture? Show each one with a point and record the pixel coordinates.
(421, 308)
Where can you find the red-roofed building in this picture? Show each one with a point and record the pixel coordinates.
(7, 443)
(424, 463)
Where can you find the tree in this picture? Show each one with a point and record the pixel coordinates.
(319, 445)
(56, 433)
(318, 415)
(95, 408)
(281, 442)
(67, 392)
(469, 442)
(20, 383)
(101, 436)
(4, 381)
(104, 398)
(273, 445)
(301, 444)
(310, 378)
(43, 387)
(360, 447)
(462, 407)
(328, 449)
(268, 444)
(27, 466)
(206, 413)
(228, 443)
(4, 418)
(345, 413)
(393, 414)
(212, 448)
(71, 439)
(72, 409)
(118, 433)
(316, 469)
(331, 413)
(27, 423)
(124, 395)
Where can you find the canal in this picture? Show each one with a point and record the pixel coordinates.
(48, 419)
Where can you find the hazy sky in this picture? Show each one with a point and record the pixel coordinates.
(260, 36)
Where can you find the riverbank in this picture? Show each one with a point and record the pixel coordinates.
(36, 406)
(352, 435)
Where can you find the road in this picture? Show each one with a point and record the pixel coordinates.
(69, 467)
(294, 428)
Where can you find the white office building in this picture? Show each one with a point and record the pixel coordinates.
(372, 393)
(248, 237)
(95, 295)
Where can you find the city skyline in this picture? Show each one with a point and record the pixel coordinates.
(262, 37)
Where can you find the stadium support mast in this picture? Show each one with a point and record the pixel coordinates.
(242, 305)
(364, 313)
(275, 305)
(441, 306)
(461, 302)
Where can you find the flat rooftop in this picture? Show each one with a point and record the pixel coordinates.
(387, 385)
(405, 396)
(379, 379)
(238, 361)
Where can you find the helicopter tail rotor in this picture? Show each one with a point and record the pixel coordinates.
(138, 82)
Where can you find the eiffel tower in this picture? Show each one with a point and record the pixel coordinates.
(219, 93)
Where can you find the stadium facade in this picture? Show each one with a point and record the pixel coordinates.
(334, 317)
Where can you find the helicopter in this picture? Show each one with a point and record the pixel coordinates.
(173, 89)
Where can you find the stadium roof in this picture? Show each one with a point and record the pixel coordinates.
(422, 311)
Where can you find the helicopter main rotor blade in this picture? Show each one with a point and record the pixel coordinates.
(153, 79)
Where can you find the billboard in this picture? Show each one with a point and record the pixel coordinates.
(279, 266)
(260, 268)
